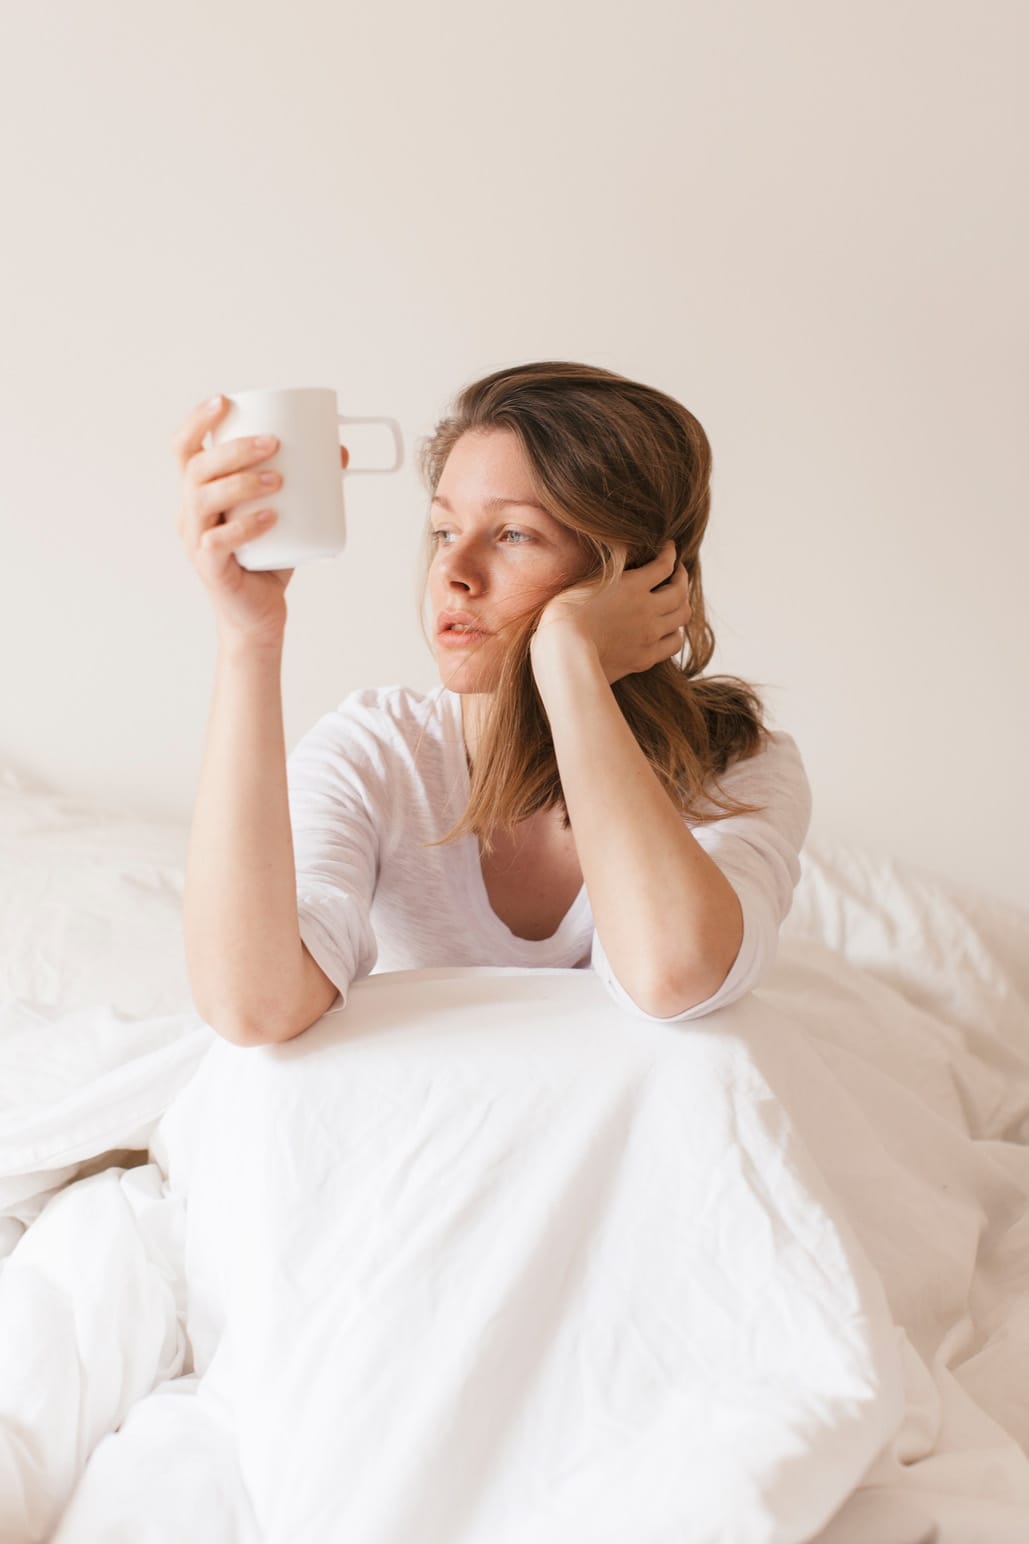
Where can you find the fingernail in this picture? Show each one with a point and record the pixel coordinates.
(214, 402)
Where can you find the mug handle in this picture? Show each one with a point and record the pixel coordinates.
(398, 444)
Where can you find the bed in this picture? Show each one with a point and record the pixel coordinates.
(481, 1258)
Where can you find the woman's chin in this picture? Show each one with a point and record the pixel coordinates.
(466, 674)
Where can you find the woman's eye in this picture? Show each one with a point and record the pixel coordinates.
(439, 537)
(519, 537)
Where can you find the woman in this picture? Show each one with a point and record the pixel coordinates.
(571, 794)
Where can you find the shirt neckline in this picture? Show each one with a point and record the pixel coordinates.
(575, 919)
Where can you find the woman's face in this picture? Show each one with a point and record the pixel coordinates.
(496, 555)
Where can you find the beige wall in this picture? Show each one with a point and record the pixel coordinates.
(806, 220)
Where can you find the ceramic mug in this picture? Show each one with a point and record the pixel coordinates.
(309, 504)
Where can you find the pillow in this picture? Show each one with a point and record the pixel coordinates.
(97, 1028)
(951, 950)
(91, 905)
(77, 1085)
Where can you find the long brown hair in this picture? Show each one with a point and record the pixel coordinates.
(625, 467)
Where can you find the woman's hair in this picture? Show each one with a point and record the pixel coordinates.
(623, 466)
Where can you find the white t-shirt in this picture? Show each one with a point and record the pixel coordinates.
(375, 779)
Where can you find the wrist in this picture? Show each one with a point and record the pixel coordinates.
(234, 645)
(561, 653)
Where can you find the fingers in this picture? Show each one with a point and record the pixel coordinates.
(662, 568)
(215, 481)
(675, 608)
(218, 542)
(674, 612)
(200, 466)
(207, 503)
(205, 466)
(665, 609)
(203, 509)
(187, 440)
(669, 646)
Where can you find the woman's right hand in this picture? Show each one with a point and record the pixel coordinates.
(213, 482)
(248, 604)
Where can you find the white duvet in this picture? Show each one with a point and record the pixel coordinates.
(480, 1258)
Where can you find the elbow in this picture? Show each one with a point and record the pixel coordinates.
(669, 996)
(249, 1035)
(233, 1029)
(683, 968)
(255, 1012)
(675, 987)
(247, 1032)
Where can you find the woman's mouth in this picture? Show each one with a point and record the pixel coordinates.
(458, 635)
(459, 632)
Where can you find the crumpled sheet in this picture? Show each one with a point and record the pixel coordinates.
(480, 1257)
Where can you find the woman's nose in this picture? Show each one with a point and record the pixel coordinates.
(462, 572)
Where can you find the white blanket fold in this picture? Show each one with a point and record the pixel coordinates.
(480, 1258)
(92, 1309)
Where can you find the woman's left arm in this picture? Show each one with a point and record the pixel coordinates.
(670, 922)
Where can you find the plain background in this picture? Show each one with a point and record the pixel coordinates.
(806, 220)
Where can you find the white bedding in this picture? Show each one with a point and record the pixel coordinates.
(479, 1258)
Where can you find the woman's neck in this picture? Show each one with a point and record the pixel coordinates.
(473, 712)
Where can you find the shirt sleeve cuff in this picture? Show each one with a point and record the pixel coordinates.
(750, 965)
(328, 925)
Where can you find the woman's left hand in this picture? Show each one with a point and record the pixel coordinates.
(634, 623)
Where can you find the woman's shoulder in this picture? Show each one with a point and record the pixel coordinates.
(777, 755)
(399, 712)
(383, 719)
(395, 704)
(774, 776)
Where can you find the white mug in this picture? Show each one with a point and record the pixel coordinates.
(309, 503)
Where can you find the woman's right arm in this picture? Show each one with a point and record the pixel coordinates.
(251, 976)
